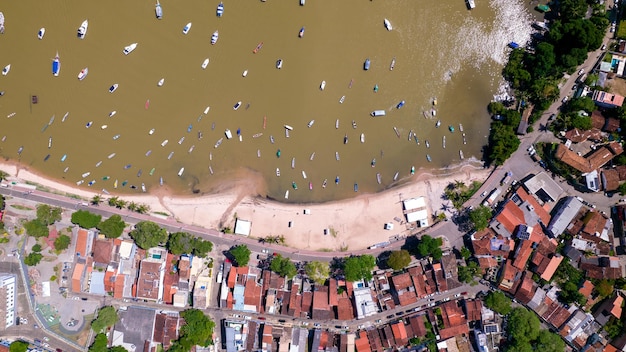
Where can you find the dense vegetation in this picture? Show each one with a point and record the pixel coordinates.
(184, 243)
(107, 317)
(86, 219)
(148, 234)
(317, 271)
(569, 280)
(240, 254)
(498, 302)
(459, 193)
(360, 267)
(62, 242)
(525, 334)
(18, 346)
(197, 330)
(100, 343)
(480, 217)
(502, 139)
(399, 259)
(429, 246)
(112, 227)
(283, 266)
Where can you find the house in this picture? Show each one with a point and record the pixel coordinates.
(607, 100)
(362, 343)
(166, 326)
(102, 252)
(593, 161)
(601, 267)
(543, 187)
(321, 309)
(403, 289)
(526, 289)
(564, 214)
(610, 180)
(454, 320)
(611, 307)
(149, 284)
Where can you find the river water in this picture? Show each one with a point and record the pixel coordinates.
(441, 49)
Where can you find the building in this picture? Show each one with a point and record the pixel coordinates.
(607, 100)
(543, 187)
(565, 213)
(149, 285)
(8, 300)
(415, 211)
(243, 227)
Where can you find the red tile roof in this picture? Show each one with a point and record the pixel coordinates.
(102, 251)
(361, 343)
(526, 289)
(345, 310)
(523, 253)
(447, 333)
(473, 309)
(118, 290)
(401, 281)
(551, 269)
(77, 277)
(399, 333)
(452, 314)
(148, 281)
(81, 242)
(511, 216)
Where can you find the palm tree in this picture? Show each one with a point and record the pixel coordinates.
(96, 200)
(3, 175)
(113, 201)
(280, 239)
(121, 204)
(143, 208)
(132, 206)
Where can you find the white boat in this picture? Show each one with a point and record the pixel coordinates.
(158, 10)
(41, 33)
(471, 4)
(113, 88)
(228, 134)
(82, 30)
(164, 143)
(116, 137)
(180, 172)
(1, 23)
(6, 69)
(341, 100)
(245, 73)
(337, 124)
(151, 131)
(187, 28)
(104, 127)
(337, 156)
(286, 133)
(86, 174)
(181, 140)
(143, 187)
(99, 163)
(312, 156)
(206, 111)
(461, 154)
(279, 64)
(438, 123)
(112, 113)
(65, 116)
(310, 123)
(302, 2)
(83, 73)
(444, 142)
(220, 10)
(160, 82)
(89, 124)
(303, 174)
(111, 156)
(288, 127)
(205, 63)
(362, 137)
(56, 65)
(323, 85)
(215, 37)
(169, 157)
(237, 105)
(217, 144)
(293, 163)
(78, 183)
(387, 24)
(129, 49)
(287, 194)
(393, 64)
(211, 169)
(277, 172)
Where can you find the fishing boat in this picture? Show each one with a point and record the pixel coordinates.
(362, 137)
(310, 123)
(89, 124)
(205, 63)
(86, 174)
(91, 183)
(65, 116)
(366, 64)
(113, 88)
(115, 184)
(345, 139)
(337, 156)
(393, 64)
(219, 141)
(400, 104)
(258, 47)
(129, 48)
(151, 132)
(237, 105)
(51, 120)
(271, 139)
(105, 178)
(220, 10)
(6, 69)
(428, 157)
(169, 157)
(464, 140)
(287, 194)
(337, 124)
(258, 153)
(301, 33)
(46, 158)
(187, 28)
(189, 128)
(257, 135)
(302, 2)
(356, 187)
(104, 127)
(83, 73)
(80, 182)
(164, 143)
(50, 142)
(342, 99)
(112, 113)
(387, 24)
(181, 140)
(245, 73)
(143, 187)
(161, 82)
(56, 65)
(63, 157)
(126, 167)
(461, 154)
(322, 85)
(158, 11)
(111, 156)
(412, 170)
(310, 186)
(395, 129)
(41, 33)
(215, 37)
(180, 172)
(471, 4)
(373, 163)
(294, 185)
(337, 180)
(353, 124)
(149, 152)
(451, 128)
(378, 178)
(303, 174)
(228, 134)
(444, 142)
(376, 88)
(293, 163)
(279, 64)
(438, 123)
(99, 163)
(82, 30)
(161, 181)
(395, 177)
(427, 143)
(116, 137)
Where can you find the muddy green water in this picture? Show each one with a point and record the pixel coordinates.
(441, 50)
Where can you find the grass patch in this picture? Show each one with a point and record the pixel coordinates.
(333, 232)
(325, 250)
(21, 207)
(161, 213)
(343, 248)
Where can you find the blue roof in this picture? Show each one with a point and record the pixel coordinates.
(97, 283)
(238, 297)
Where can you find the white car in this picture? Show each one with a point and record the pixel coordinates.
(582, 70)
(603, 47)
(565, 99)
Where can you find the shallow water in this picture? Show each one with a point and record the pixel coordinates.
(441, 50)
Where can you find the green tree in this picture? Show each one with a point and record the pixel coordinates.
(498, 302)
(241, 254)
(465, 253)
(48, 215)
(549, 342)
(180, 243)
(523, 325)
(148, 234)
(357, 268)
(112, 227)
(33, 259)
(604, 288)
(502, 143)
(317, 271)
(569, 294)
(622, 189)
(399, 259)
(96, 200)
(36, 248)
(283, 266)
(18, 346)
(62, 242)
(581, 122)
(107, 316)
(480, 217)
(99, 344)
(197, 330)
(201, 248)
(467, 273)
(429, 246)
(85, 219)
(36, 228)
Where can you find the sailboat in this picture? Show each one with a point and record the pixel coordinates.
(56, 65)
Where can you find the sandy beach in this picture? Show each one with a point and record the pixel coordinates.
(353, 224)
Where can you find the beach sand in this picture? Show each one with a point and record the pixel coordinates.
(352, 224)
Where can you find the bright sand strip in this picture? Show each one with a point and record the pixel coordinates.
(355, 223)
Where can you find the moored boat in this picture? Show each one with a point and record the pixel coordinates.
(471, 4)
(277, 172)
(412, 170)
(337, 124)
(310, 186)
(362, 137)
(387, 24)
(312, 156)
(161, 82)
(65, 116)
(89, 124)
(180, 172)
(1, 23)
(378, 178)
(427, 143)
(129, 48)
(278, 153)
(337, 156)
(113, 88)
(164, 143)
(220, 10)
(149, 152)
(293, 163)
(46, 158)
(6, 69)
(451, 128)
(219, 141)
(345, 139)
(80, 182)
(303, 174)
(111, 156)
(91, 183)
(64, 157)
(181, 140)
(41, 33)
(310, 123)
(228, 134)
(56, 65)
(356, 187)
(373, 162)
(244, 73)
(115, 184)
(187, 28)
(82, 30)
(189, 128)
(395, 177)
(104, 127)
(287, 194)
(366, 64)
(428, 157)
(444, 142)
(354, 124)
(215, 37)
(158, 10)
(323, 85)
(294, 185)
(279, 64)
(116, 137)
(258, 47)
(461, 154)
(393, 64)
(151, 131)
(342, 99)
(301, 33)
(99, 163)
(50, 142)
(112, 113)
(161, 181)
(83, 73)
(237, 105)
(143, 187)
(287, 127)
(169, 157)
(438, 123)
(400, 104)
(337, 180)
(257, 135)
(205, 63)
(324, 183)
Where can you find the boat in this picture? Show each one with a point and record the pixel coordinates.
(434, 101)
(271, 139)
(366, 64)
(302, 2)
(200, 135)
(513, 45)
(151, 132)
(294, 185)
(115, 184)
(51, 120)
(50, 142)
(189, 128)
(376, 88)
(277, 172)
(427, 143)
(310, 186)
(215, 37)
(213, 126)
(410, 135)
(353, 124)
(351, 82)
(287, 127)
(287, 194)
(286, 133)
(245, 73)
(278, 153)
(337, 180)
(444, 142)
(143, 187)
(220, 10)
(181, 140)
(147, 105)
(219, 141)
(279, 64)
(99, 163)
(400, 104)
(378, 178)
(387, 24)
(303, 174)
(80, 182)
(395, 177)
(356, 187)
(126, 167)
(41, 33)
(161, 181)
(342, 99)
(301, 33)
(111, 156)
(113, 88)
(257, 135)
(395, 129)
(237, 105)
(322, 85)
(471, 4)
(44, 128)
(187, 28)
(129, 48)
(56, 65)
(180, 172)
(82, 30)
(86, 174)
(438, 123)
(169, 157)
(310, 123)
(139, 173)
(451, 128)
(91, 183)
(105, 178)
(65, 116)
(6, 69)
(428, 157)
(433, 112)
(543, 8)
(158, 10)
(412, 170)
(89, 124)
(417, 141)
(104, 127)
(312, 156)
(239, 131)
(164, 143)
(373, 162)
(337, 124)
(63, 157)
(205, 63)
(160, 82)
(258, 47)
(191, 148)
(46, 158)
(362, 137)
(324, 183)
(206, 111)
(1, 23)
(464, 140)
(116, 137)
(345, 139)
(133, 187)
(293, 163)
(337, 156)
(461, 154)
(83, 73)
(149, 152)
(393, 64)
(228, 134)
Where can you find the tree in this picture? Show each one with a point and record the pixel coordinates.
(36, 228)
(143, 208)
(581, 122)
(523, 325)
(498, 302)
(201, 248)
(62, 242)
(569, 294)
(36, 248)
(467, 273)
(399, 259)
(112, 227)
(33, 259)
(429, 246)
(502, 143)
(18, 346)
(197, 330)
(283, 266)
(549, 342)
(48, 215)
(148, 234)
(465, 253)
(107, 316)
(622, 189)
(480, 217)
(99, 344)
(317, 271)
(96, 200)
(241, 254)
(357, 268)
(85, 219)
(180, 243)
(604, 288)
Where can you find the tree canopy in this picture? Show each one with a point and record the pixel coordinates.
(62, 242)
(360, 267)
(399, 259)
(107, 316)
(184, 243)
(429, 246)
(480, 217)
(241, 254)
(48, 215)
(33, 259)
(36, 228)
(147, 234)
(498, 302)
(112, 227)
(85, 219)
(283, 266)
(502, 143)
(18, 346)
(100, 345)
(317, 271)
(525, 334)
(197, 330)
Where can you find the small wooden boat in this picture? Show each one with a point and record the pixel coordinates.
(205, 63)
(303, 174)
(271, 139)
(277, 172)
(56, 65)
(116, 137)
(378, 178)
(279, 64)
(310, 123)
(324, 183)
(83, 73)
(366, 64)
(219, 141)
(293, 163)
(129, 48)
(245, 73)
(41, 33)
(126, 167)
(89, 124)
(393, 64)
(395, 177)
(158, 11)
(353, 124)
(82, 30)
(373, 163)
(46, 158)
(181, 140)
(345, 139)
(427, 143)
(65, 116)
(191, 148)
(161, 82)
(342, 99)
(287, 194)
(99, 163)
(428, 157)
(237, 105)
(258, 153)
(214, 37)
(395, 129)
(6, 69)
(164, 143)
(323, 85)
(294, 185)
(113, 88)
(180, 172)
(312, 156)
(111, 156)
(169, 157)
(50, 142)
(387, 24)
(112, 113)
(104, 127)
(301, 33)
(220, 10)
(337, 124)
(258, 47)
(356, 187)
(337, 180)
(187, 28)
(438, 123)
(362, 137)
(337, 156)
(461, 154)
(149, 152)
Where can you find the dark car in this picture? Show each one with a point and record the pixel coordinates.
(37, 342)
(551, 117)
(390, 316)
(399, 313)
(282, 321)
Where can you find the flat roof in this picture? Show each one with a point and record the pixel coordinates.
(417, 215)
(97, 283)
(543, 182)
(242, 227)
(414, 203)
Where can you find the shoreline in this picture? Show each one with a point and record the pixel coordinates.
(352, 224)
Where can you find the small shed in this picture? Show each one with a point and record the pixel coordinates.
(242, 227)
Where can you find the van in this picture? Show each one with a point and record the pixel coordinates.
(376, 113)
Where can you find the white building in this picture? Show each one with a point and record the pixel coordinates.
(415, 211)
(8, 299)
